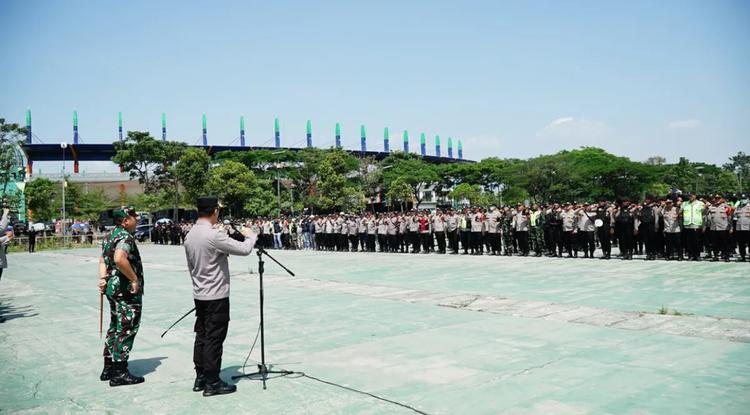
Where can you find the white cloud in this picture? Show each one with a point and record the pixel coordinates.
(579, 131)
(561, 121)
(684, 124)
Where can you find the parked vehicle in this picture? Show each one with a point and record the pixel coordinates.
(143, 232)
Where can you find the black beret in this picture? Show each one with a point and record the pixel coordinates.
(207, 202)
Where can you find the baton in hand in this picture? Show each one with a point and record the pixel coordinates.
(101, 313)
(175, 323)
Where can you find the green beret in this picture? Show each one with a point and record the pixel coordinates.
(123, 212)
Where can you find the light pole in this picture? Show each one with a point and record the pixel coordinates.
(291, 196)
(63, 146)
(699, 176)
(372, 196)
(278, 187)
(278, 181)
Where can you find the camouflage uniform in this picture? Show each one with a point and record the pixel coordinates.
(507, 228)
(124, 307)
(537, 232)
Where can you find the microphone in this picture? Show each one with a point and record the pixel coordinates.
(235, 233)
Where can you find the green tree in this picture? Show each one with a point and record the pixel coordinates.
(233, 183)
(148, 159)
(11, 167)
(40, 193)
(370, 177)
(91, 204)
(261, 201)
(466, 191)
(192, 171)
(413, 170)
(739, 165)
(399, 191)
(336, 190)
(147, 202)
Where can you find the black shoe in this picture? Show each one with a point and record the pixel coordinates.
(200, 383)
(107, 370)
(218, 387)
(121, 375)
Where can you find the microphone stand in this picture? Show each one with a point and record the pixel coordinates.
(263, 371)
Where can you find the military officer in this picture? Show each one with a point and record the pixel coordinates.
(121, 280)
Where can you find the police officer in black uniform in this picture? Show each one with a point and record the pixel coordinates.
(624, 227)
(604, 232)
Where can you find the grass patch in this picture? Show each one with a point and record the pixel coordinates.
(666, 311)
(49, 244)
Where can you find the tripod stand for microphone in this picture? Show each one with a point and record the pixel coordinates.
(263, 371)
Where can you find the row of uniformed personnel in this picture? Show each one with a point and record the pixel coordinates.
(671, 228)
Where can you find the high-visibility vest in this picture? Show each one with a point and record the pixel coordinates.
(692, 213)
(534, 217)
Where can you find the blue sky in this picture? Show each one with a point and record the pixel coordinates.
(509, 78)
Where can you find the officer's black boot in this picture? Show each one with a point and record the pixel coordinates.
(200, 382)
(107, 370)
(122, 376)
(218, 387)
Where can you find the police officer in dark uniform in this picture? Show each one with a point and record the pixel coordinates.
(647, 216)
(604, 231)
(624, 227)
(32, 238)
(554, 222)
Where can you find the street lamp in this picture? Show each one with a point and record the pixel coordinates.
(63, 146)
(699, 176)
(372, 197)
(278, 186)
(278, 181)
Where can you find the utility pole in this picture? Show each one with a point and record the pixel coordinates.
(63, 146)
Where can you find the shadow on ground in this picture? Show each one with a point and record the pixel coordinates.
(11, 312)
(251, 368)
(142, 367)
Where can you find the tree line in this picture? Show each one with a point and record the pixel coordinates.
(269, 182)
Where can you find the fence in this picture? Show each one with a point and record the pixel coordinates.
(21, 243)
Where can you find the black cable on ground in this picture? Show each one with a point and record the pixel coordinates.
(403, 405)
(251, 350)
(305, 375)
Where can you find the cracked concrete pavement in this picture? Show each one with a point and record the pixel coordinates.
(445, 334)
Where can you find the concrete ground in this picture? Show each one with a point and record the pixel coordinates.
(443, 334)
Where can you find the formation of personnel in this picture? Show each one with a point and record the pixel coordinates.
(170, 233)
(672, 228)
